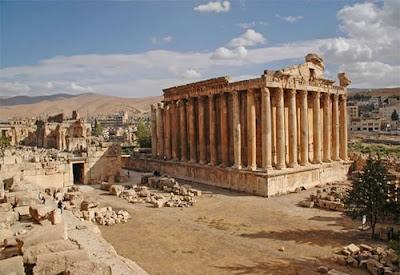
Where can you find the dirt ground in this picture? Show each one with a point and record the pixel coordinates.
(228, 232)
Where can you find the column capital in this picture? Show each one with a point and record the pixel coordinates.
(265, 90)
(235, 93)
(316, 93)
(343, 97)
(335, 96)
(292, 92)
(303, 92)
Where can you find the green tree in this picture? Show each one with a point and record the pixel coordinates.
(5, 142)
(98, 129)
(368, 195)
(143, 135)
(395, 116)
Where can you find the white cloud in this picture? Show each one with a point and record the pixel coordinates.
(191, 73)
(370, 47)
(290, 18)
(252, 24)
(80, 89)
(373, 74)
(13, 88)
(167, 38)
(217, 6)
(224, 53)
(49, 85)
(155, 40)
(249, 38)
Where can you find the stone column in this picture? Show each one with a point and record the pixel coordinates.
(237, 148)
(174, 131)
(202, 132)
(266, 131)
(160, 130)
(224, 130)
(251, 131)
(153, 130)
(292, 129)
(335, 127)
(192, 131)
(327, 128)
(280, 129)
(212, 131)
(183, 129)
(167, 130)
(316, 128)
(343, 127)
(303, 128)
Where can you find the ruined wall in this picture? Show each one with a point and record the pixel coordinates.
(102, 164)
(36, 167)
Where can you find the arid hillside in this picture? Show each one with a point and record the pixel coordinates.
(92, 104)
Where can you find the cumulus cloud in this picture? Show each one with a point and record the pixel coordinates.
(80, 89)
(217, 7)
(370, 41)
(373, 74)
(290, 18)
(225, 53)
(249, 38)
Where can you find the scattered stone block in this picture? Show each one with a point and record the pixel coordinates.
(116, 190)
(42, 234)
(31, 253)
(352, 248)
(87, 267)
(336, 272)
(41, 212)
(323, 269)
(13, 265)
(56, 263)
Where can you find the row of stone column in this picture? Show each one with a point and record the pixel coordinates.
(180, 134)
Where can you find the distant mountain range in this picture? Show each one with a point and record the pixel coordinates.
(86, 104)
(18, 100)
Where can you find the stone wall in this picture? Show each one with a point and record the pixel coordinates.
(263, 183)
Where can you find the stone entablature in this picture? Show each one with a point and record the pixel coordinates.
(281, 120)
(275, 79)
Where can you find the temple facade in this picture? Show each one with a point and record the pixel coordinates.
(265, 136)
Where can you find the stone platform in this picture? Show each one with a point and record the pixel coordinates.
(260, 183)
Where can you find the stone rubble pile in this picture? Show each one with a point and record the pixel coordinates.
(330, 198)
(40, 244)
(376, 260)
(178, 195)
(90, 211)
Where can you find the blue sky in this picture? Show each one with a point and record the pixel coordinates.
(136, 48)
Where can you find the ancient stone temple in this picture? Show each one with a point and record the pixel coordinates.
(268, 135)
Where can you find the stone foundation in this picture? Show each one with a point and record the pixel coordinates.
(260, 183)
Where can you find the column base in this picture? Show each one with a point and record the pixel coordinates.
(327, 160)
(239, 167)
(293, 165)
(316, 162)
(251, 168)
(304, 164)
(203, 162)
